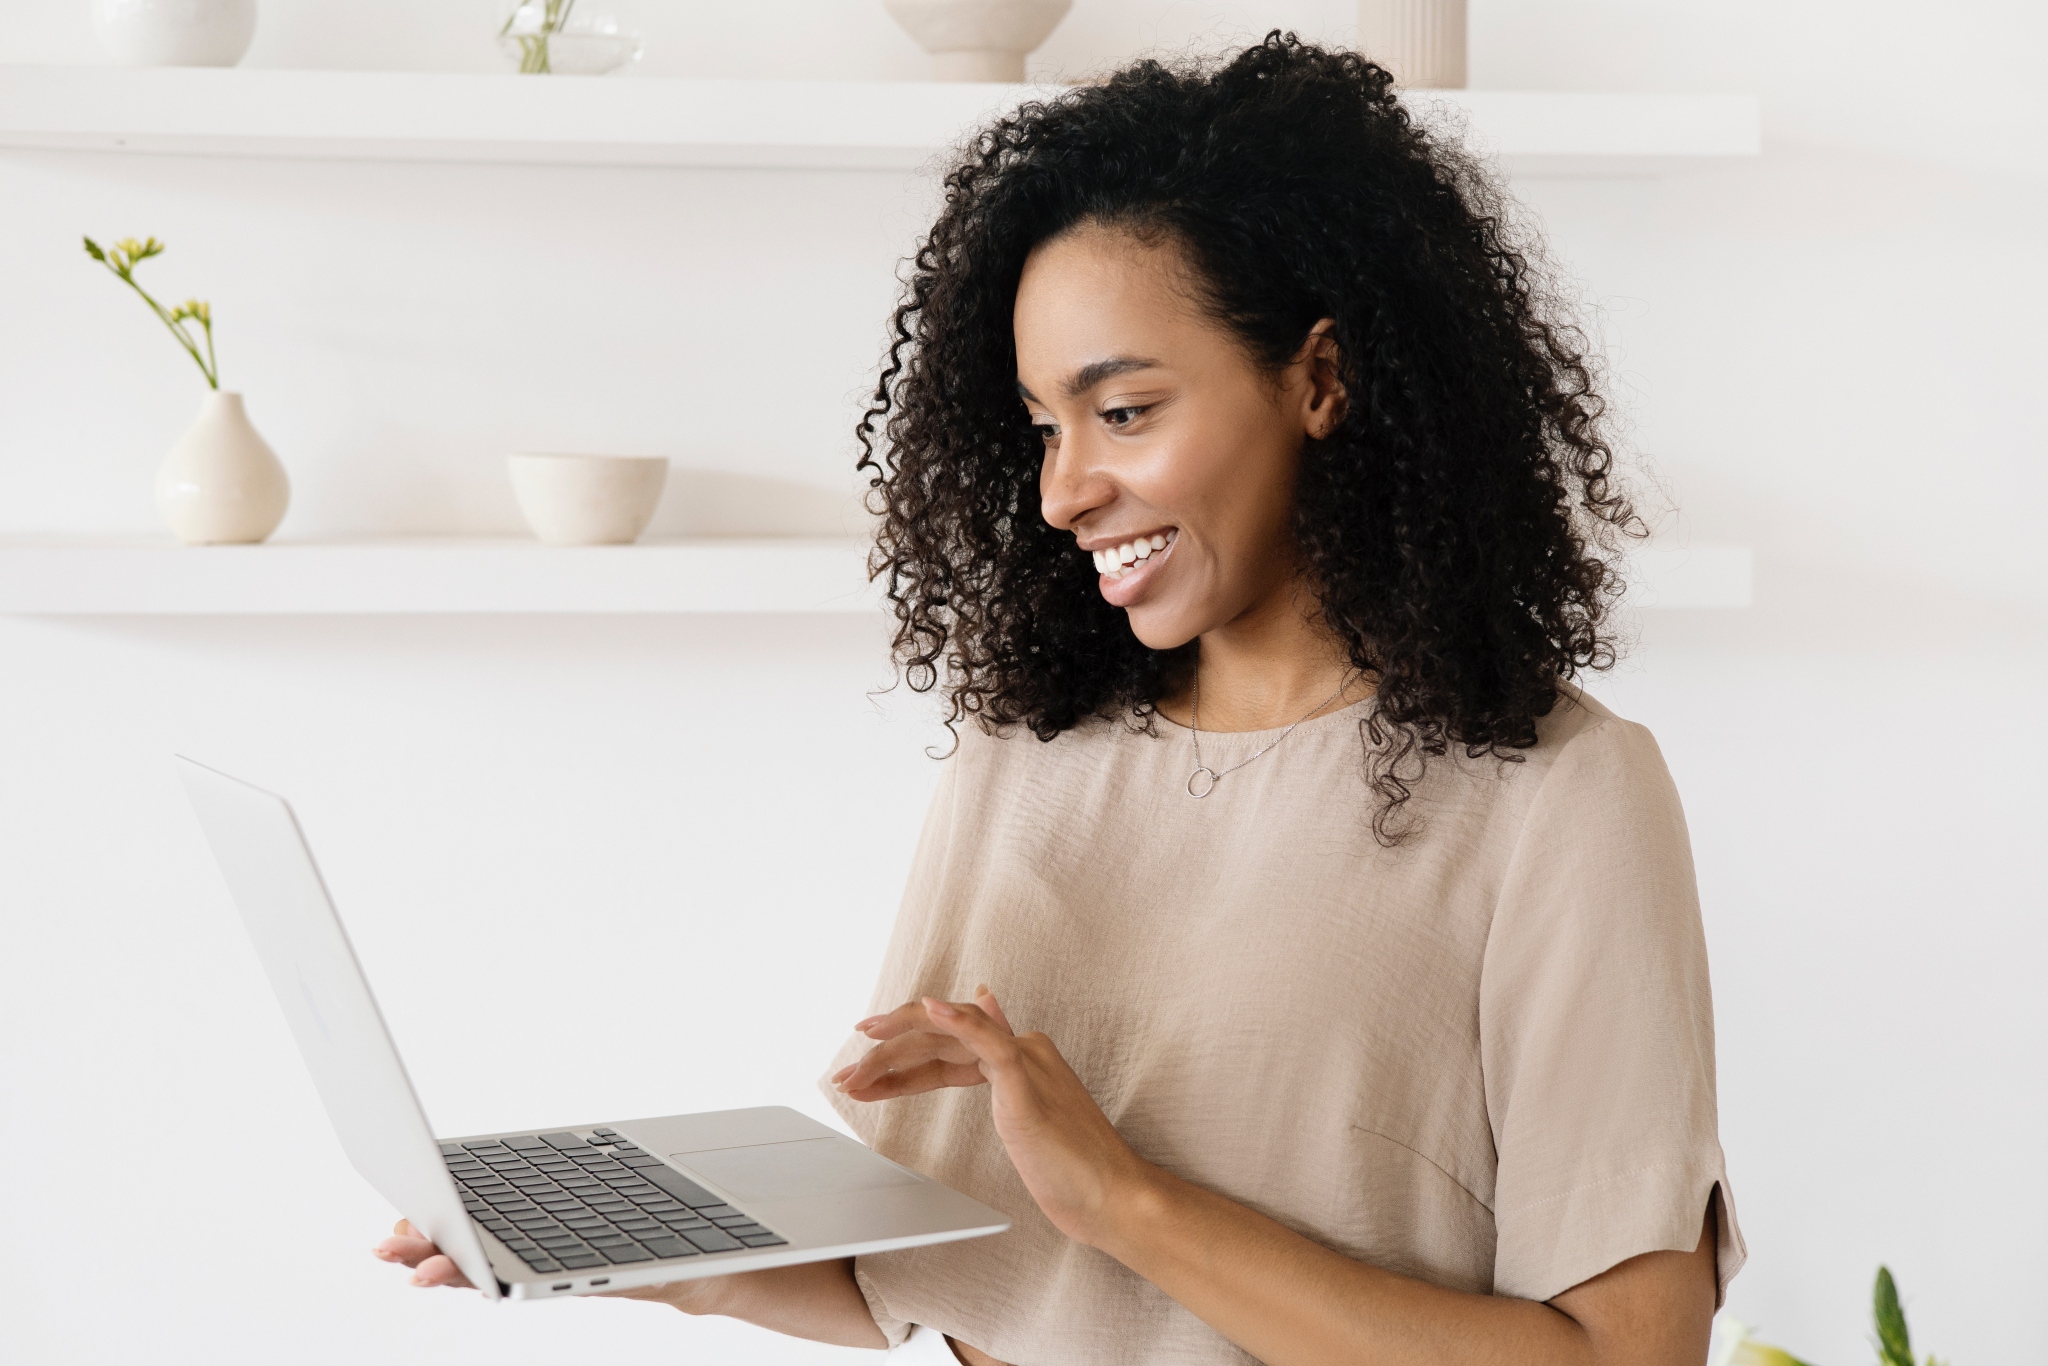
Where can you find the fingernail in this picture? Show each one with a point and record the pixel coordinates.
(943, 1009)
(983, 990)
(842, 1074)
(870, 1020)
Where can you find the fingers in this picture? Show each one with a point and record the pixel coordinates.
(991, 1042)
(903, 1054)
(986, 999)
(911, 1015)
(405, 1251)
(902, 1020)
(917, 1080)
(926, 1044)
(439, 1270)
(430, 1266)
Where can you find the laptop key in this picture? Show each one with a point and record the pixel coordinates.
(711, 1239)
(576, 1261)
(762, 1240)
(668, 1247)
(678, 1185)
(562, 1140)
(631, 1252)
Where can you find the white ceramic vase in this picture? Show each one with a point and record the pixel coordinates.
(175, 32)
(1422, 42)
(979, 40)
(588, 499)
(222, 484)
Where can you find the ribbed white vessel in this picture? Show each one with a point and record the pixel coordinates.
(1422, 42)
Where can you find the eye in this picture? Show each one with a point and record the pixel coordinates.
(1122, 417)
(1048, 432)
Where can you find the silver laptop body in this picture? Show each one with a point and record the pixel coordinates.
(564, 1211)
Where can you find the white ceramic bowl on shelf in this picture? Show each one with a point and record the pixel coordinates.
(175, 32)
(978, 40)
(588, 499)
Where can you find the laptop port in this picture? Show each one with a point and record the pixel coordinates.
(602, 1280)
(563, 1285)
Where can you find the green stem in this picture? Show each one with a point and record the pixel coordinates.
(212, 365)
(184, 337)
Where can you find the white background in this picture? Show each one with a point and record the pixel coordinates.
(604, 867)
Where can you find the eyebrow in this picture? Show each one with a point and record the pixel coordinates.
(1093, 373)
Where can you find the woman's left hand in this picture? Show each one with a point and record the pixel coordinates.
(1073, 1161)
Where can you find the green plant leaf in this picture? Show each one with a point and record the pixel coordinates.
(92, 249)
(1894, 1343)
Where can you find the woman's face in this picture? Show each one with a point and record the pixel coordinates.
(1169, 454)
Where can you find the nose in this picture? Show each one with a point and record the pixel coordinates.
(1071, 485)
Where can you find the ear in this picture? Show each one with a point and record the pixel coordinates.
(1319, 362)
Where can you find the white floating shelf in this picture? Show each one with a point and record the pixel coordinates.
(627, 121)
(108, 578)
(423, 576)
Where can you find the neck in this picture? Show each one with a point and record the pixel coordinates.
(1268, 668)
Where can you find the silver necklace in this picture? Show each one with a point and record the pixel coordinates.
(1202, 770)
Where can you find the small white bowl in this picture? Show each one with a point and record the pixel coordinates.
(588, 499)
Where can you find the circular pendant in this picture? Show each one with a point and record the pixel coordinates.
(1203, 781)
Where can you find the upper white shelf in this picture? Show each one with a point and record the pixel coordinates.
(159, 578)
(415, 116)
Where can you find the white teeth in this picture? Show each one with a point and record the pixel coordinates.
(1115, 562)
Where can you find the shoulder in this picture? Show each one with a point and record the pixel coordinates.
(1582, 744)
(1589, 771)
(1599, 803)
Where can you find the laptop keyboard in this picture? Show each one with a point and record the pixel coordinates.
(566, 1201)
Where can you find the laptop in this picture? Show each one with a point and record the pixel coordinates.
(556, 1211)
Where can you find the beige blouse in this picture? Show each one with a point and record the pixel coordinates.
(1483, 1058)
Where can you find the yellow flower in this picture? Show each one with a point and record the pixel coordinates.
(1734, 1346)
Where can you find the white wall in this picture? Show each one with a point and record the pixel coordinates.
(1829, 353)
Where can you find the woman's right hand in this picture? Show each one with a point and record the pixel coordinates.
(815, 1300)
(430, 1266)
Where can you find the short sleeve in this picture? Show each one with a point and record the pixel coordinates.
(1597, 1028)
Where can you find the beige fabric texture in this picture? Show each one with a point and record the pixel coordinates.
(1483, 1058)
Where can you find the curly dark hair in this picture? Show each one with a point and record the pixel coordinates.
(1457, 525)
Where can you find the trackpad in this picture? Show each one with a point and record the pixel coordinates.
(806, 1167)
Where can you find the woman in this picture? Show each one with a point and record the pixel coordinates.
(1254, 520)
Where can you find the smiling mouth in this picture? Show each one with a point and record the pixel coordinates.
(1120, 560)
